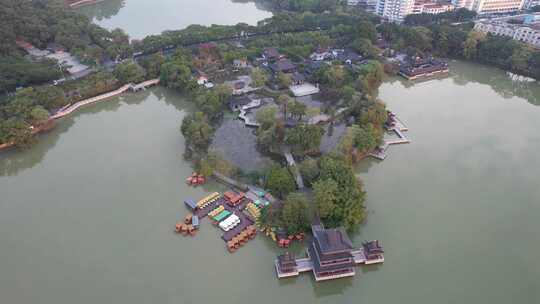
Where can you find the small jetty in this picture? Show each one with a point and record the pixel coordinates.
(395, 125)
(330, 255)
(234, 212)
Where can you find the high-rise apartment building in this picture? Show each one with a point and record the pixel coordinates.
(394, 10)
(490, 6)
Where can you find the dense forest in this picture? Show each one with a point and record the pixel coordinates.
(45, 22)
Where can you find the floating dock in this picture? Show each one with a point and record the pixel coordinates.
(205, 206)
(398, 128)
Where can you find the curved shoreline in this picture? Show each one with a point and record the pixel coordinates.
(74, 107)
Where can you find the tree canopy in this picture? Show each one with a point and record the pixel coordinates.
(338, 194)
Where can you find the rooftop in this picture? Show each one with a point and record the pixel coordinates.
(271, 52)
(283, 65)
(333, 240)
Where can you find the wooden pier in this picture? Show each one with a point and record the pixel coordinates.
(398, 128)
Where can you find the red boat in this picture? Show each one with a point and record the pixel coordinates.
(195, 179)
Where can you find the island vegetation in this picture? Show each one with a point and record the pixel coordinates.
(184, 59)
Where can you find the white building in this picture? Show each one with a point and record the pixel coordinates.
(394, 10)
(490, 6)
(530, 3)
(528, 32)
(436, 8)
(431, 7)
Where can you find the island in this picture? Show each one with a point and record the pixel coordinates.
(299, 90)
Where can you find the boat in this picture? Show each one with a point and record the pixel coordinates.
(195, 179)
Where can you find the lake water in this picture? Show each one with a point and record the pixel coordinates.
(87, 215)
(140, 18)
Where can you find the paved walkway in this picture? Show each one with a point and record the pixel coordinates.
(399, 128)
(72, 108)
(292, 164)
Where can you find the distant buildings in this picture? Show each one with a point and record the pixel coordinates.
(56, 52)
(394, 10)
(525, 28)
(397, 10)
(431, 7)
(490, 6)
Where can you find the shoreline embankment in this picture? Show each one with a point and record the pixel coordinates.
(50, 123)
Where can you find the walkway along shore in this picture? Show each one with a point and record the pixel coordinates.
(72, 108)
(398, 127)
(134, 87)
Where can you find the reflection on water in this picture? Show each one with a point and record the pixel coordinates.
(140, 18)
(87, 215)
(103, 10)
(13, 161)
(506, 84)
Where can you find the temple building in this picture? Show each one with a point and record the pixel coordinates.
(373, 252)
(286, 265)
(331, 253)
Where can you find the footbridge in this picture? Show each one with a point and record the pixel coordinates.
(130, 86)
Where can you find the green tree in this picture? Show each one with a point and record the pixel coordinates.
(38, 115)
(284, 80)
(345, 207)
(258, 78)
(224, 92)
(280, 182)
(309, 169)
(283, 100)
(304, 138)
(295, 217)
(519, 61)
(297, 109)
(197, 132)
(50, 97)
(366, 139)
(471, 44)
(152, 65)
(371, 77)
(326, 196)
(129, 72)
(266, 117)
